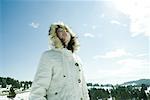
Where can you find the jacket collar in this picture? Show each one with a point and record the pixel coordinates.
(62, 50)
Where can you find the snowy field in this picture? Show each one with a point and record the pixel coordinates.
(24, 96)
(21, 96)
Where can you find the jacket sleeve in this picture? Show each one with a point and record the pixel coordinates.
(42, 78)
(85, 89)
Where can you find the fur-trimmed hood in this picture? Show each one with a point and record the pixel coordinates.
(55, 42)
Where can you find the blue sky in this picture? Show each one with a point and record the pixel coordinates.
(114, 39)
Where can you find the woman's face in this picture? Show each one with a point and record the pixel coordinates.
(63, 35)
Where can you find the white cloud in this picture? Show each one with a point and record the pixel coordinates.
(132, 62)
(120, 53)
(89, 35)
(115, 22)
(113, 54)
(118, 23)
(138, 12)
(34, 25)
(141, 55)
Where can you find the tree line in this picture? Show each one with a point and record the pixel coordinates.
(14, 83)
(119, 93)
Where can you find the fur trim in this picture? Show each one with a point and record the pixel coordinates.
(54, 41)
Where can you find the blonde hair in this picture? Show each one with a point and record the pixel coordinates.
(55, 42)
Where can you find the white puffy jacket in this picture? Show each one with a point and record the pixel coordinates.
(59, 77)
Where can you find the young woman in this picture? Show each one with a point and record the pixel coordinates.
(59, 75)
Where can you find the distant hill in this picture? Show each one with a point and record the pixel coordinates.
(138, 82)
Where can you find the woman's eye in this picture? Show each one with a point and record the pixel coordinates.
(60, 30)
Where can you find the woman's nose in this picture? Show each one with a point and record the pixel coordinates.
(64, 34)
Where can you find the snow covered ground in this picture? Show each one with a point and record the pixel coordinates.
(24, 96)
(21, 96)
